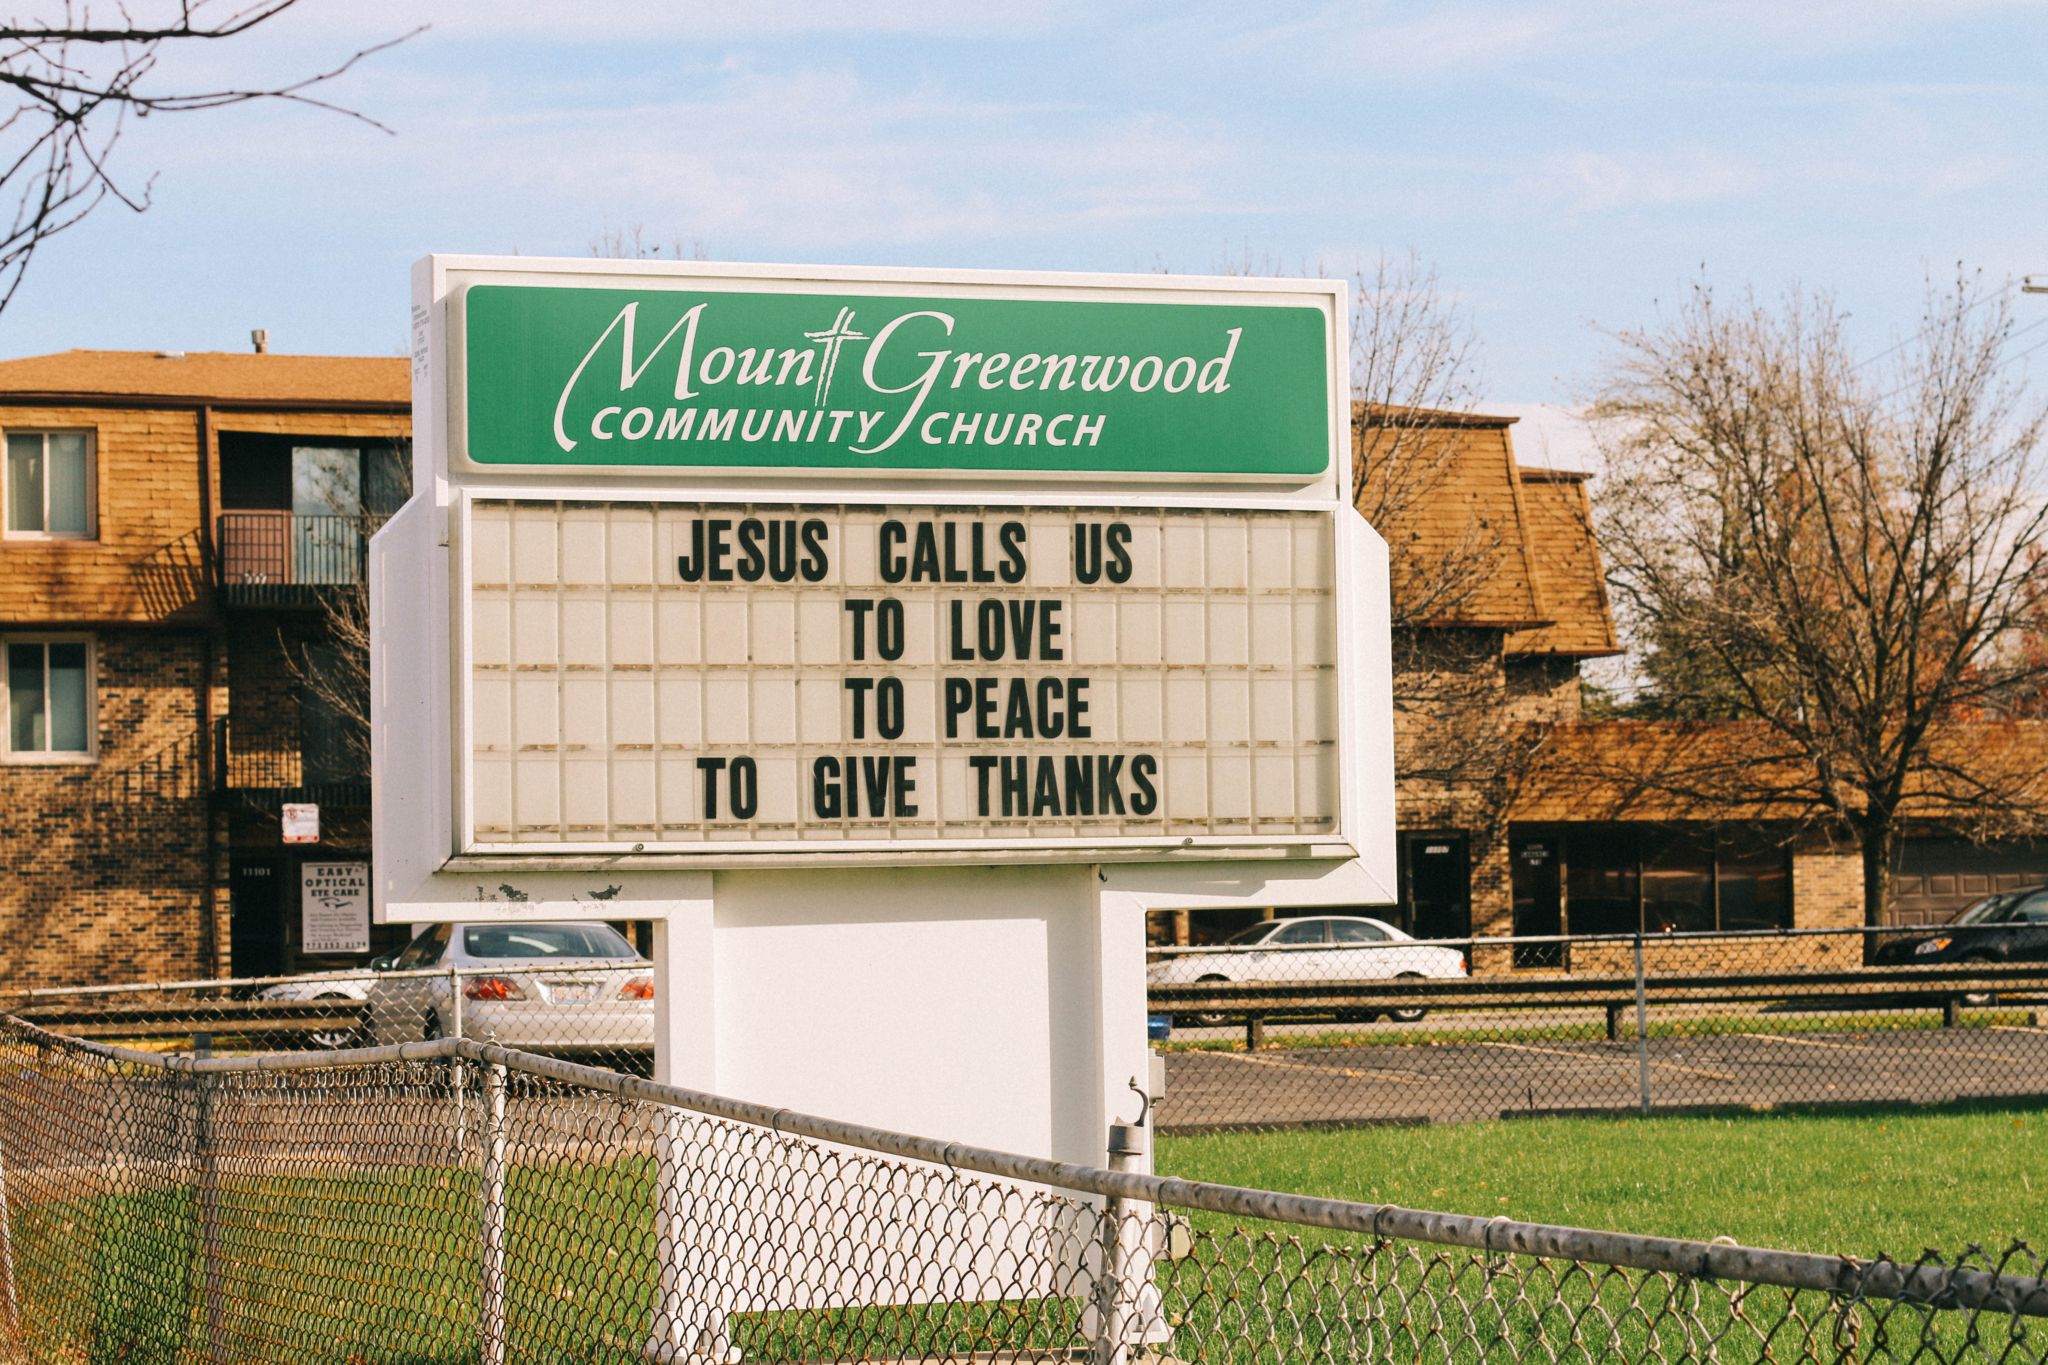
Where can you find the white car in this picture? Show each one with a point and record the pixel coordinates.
(1317, 948)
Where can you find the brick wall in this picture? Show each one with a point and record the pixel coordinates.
(147, 564)
(106, 860)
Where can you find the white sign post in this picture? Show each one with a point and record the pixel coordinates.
(894, 641)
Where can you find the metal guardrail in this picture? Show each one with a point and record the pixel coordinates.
(256, 1206)
(569, 1010)
(1658, 1022)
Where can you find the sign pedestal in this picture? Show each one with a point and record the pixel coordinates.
(894, 643)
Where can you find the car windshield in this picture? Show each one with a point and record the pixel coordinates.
(544, 940)
(1987, 910)
(1251, 935)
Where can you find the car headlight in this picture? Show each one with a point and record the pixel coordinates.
(1932, 945)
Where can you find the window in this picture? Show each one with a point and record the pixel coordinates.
(492, 941)
(425, 950)
(49, 485)
(1294, 935)
(1355, 931)
(49, 700)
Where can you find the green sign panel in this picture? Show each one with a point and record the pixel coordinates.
(681, 380)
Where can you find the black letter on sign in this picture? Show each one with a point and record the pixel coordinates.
(1021, 616)
(860, 607)
(1109, 782)
(859, 687)
(1119, 558)
(981, 573)
(753, 566)
(889, 629)
(876, 771)
(889, 708)
(1076, 708)
(904, 786)
(825, 788)
(924, 556)
(988, 629)
(954, 573)
(709, 767)
(1144, 800)
(1012, 537)
(1015, 773)
(1080, 776)
(892, 567)
(746, 793)
(1087, 550)
(690, 567)
(962, 651)
(982, 764)
(815, 563)
(985, 709)
(782, 551)
(718, 573)
(959, 701)
(1047, 628)
(1050, 721)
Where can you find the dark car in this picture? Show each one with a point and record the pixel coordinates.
(2011, 926)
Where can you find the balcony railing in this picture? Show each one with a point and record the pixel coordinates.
(280, 765)
(283, 558)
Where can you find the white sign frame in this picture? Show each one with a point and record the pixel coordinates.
(1354, 577)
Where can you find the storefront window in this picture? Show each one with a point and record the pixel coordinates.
(1603, 885)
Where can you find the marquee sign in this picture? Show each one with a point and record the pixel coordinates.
(729, 566)
(650, 675)
(696, 380)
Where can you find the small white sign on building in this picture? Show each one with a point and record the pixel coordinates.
(302, 824)
(334, 900)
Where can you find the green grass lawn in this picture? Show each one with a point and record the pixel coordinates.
(1891, 1180)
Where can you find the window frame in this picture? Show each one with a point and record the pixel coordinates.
(42, 757)
(92, 485)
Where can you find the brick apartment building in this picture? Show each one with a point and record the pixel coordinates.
(172, 522)
(176, 524)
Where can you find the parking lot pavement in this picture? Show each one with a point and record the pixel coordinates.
(1466, 1081)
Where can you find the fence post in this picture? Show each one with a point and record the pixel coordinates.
(8, 1305)
(458, 1073)
(1110, 1347)
(1642, 1031)
(212, 1289)
(492, 1316)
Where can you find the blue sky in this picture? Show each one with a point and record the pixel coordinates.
(1565, 165)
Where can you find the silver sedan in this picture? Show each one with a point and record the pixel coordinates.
(1313, 948)
(566, 989)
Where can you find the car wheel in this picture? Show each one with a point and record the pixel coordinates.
(332, 1040)
(1980, 999)
(1208, 1020)
(1408, 1016)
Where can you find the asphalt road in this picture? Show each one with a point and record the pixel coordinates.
(1471, 1080)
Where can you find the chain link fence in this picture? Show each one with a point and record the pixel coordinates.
(453, 1201)
(1321, 1021)
(599, 1015)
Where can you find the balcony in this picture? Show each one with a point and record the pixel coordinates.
(265, 767)
(284, 559)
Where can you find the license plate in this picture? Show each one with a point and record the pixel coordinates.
(572, 992)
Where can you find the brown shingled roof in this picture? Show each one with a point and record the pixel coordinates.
(1568, 558)
(1475, 504)
(225, 377)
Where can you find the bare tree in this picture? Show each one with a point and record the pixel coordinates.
(332, 666)
(1838, 558)
(76, 80)
(631, 244)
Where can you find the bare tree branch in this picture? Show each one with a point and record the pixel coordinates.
(76, 82)
(1845, 563)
